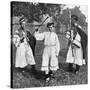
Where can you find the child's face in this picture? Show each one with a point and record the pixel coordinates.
(51, 28)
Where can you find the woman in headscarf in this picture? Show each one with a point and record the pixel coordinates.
(77, 46)
(24, 54)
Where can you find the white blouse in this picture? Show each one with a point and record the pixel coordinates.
(50, 39)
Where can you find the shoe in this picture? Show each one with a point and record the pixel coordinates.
(77, 69)
(51, 74)
(70, 67)
(23, 71)
(47, 79)
(33, 69)
(76, 72)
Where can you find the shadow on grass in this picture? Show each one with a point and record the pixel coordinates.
(29, 72)
(63, 52)
(63, 66)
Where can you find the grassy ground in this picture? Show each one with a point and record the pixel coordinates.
(62, 77)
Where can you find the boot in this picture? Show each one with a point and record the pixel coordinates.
(51, 74)
(47, 78)
(77, 68)
(33, 68)
(70, 67)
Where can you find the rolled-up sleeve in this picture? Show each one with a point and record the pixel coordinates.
(77, 41)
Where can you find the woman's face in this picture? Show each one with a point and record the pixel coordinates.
(73, 21)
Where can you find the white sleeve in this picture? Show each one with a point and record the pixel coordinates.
(16, 40)
(24, 35)
(39, 36)
(57, 46)
(77, 40)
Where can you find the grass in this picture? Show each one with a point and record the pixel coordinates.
(62, 77)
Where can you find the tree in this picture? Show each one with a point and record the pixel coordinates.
(34, 11)
(29, 10)
(65, 17)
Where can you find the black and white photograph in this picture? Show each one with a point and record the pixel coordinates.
(49, 44)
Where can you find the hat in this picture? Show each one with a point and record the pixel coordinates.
(50, 24)
(74, 17)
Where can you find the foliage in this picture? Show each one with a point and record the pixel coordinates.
(65, 17)
(34, 11)
(26, 9)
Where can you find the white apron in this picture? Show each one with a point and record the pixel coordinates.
(24, 55)
(78, 55)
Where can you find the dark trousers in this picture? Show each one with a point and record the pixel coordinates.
(71, 69)
(77, 68)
